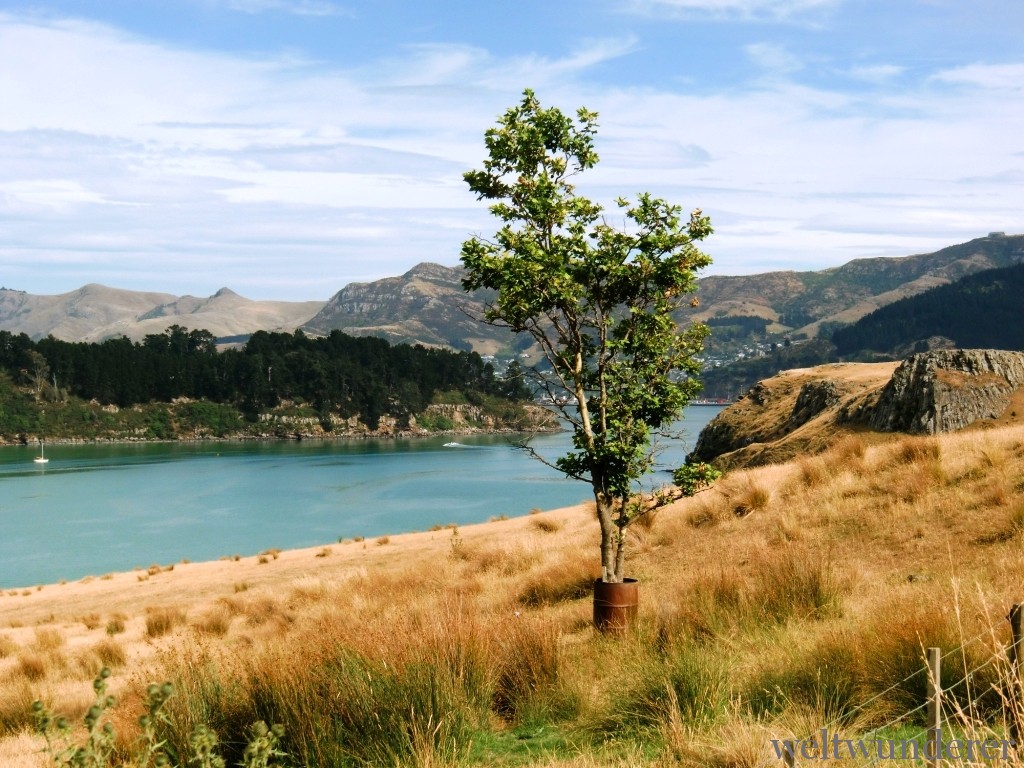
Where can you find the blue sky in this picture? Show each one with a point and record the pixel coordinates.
(285, 148)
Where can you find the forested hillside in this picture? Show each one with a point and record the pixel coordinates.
(980, 310)
(337, 375)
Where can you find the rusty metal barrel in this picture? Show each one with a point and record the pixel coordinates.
(615, 605)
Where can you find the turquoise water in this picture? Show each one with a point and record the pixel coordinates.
(100, 508)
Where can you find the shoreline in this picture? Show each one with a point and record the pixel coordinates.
(205, 580)
(294, 437)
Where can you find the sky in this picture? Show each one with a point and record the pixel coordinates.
(285, 148)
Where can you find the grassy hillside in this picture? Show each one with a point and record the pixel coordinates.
(788, 598)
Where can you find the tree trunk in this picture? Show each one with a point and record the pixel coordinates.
(611, 546)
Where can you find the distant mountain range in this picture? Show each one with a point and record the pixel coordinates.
(96, 312)
(427, 304)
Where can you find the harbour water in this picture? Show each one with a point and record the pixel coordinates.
(94, 509)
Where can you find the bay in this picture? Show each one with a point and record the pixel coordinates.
(94, 509)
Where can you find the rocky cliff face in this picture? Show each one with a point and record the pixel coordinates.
(945, 390)
(803, 411)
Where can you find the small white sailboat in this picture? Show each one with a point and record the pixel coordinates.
(41, 458)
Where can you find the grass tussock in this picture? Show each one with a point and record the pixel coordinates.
(7, 646)
(16, 697)
(796, 583)
(267, 611)
(115, 624)
(530, 684)
(401, 704)
(546, 524)
(308, 589)
(33, 666)
(915, 450)
(161, 620)
(753, 496)
(504, 560)
(881, 662)
(664, 681)
(705, 511)
(813, 470)
(215, 621)
(47, 640)
(109, 653)
(792, 583)
(558, 582)
(849, 450)
(739, 742)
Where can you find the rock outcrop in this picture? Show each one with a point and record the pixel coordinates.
(946, 390)
(804, 411)
(814, 398)
(779, 410)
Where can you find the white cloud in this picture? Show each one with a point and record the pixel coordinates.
(995, 76)
(774, 58)
(466, 66)
(48, 193)
(285, 179)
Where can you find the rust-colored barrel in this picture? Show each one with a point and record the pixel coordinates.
(615, 605)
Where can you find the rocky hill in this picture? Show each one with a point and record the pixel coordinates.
(426, 305)
(803, 411)
(96, 312)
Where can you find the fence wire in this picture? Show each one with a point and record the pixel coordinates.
(865, 704)
(998, 656)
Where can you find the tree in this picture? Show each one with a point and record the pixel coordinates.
(39, 369)
(597, 299)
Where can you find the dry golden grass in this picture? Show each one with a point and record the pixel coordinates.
(819, 597)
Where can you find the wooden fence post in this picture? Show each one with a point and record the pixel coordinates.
(933, 744)
(1016, 658)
